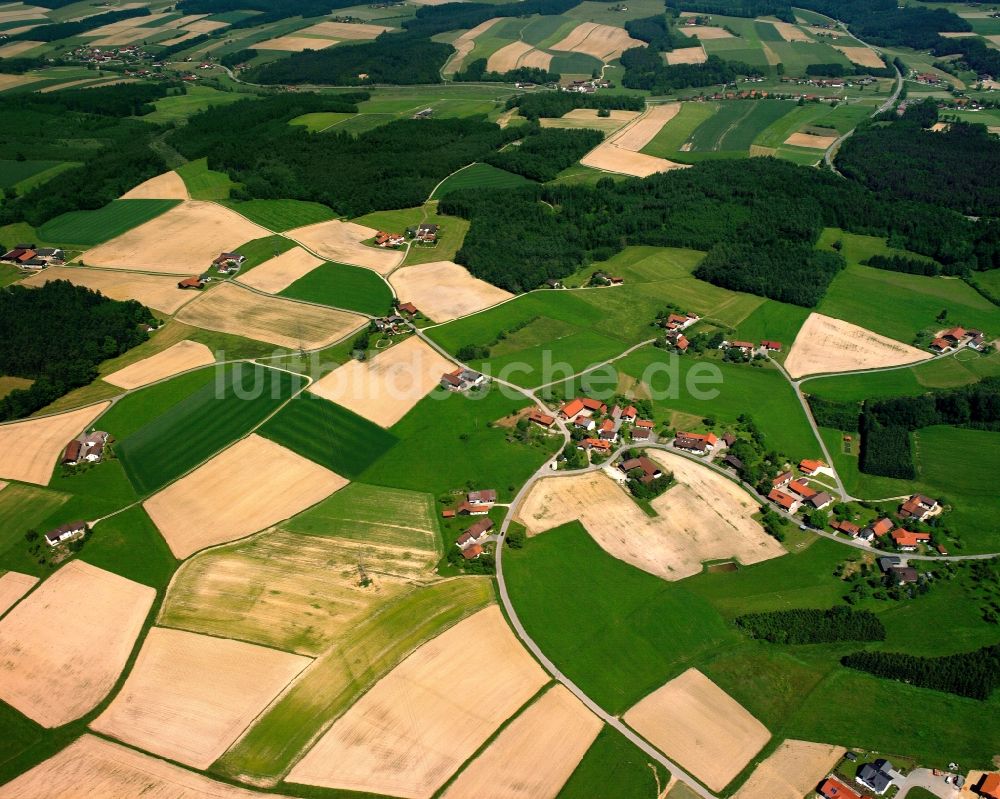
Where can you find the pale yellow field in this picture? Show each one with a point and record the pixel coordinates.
(17, 48)
(185, 36)
(16, 11)
(517, 54)
(465, 43)
(279, 273)
(344, 30)
(795, 769)
(168, 186)
(248, 487)
(957, 34)
(444, 290)
(687, 55)
(534, 756)
(13, 586)
(824, 344)
(341, 241)
(29, 449)
(158, 292)
(587, 118)
(693, 721)
(620, 152)
(179, 358)
(63, 647)
(810, 140)
(861, 56)
(93, 767)
(603, 42)
(295, 44)
(419, 723)
(385, 388)
(182, 241)
(10, 81)
(703, 517)
(294, 592)
(230, 308)
(205, 26)
(791, 33)
(190, 696)
(704, 32)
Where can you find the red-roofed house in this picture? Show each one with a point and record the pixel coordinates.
(940, 344)
(629, 414)
(609, 431)
(771, 346)
(644, 424)
(802, 489)
(682, 343)
(810, 467)
(407, 308)
(786, 501)
(191, 283)
(698, 443)
(71, 455)
(746, 347)
(955, 335)
(650, 471)
(542, 419)
(473, 552)
(782, 480)
(486, 496)
(834, 789)
(919, 507)
(849, 528)
(989, 786)
(594, 443)
(594, 405)
(584, 423)
(908, 540)
(571, 409)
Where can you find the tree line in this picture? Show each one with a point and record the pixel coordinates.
(556, 104)
(393, 166)
(762, 214)
(737, 8)
(908, 265)
(545, 152)
(973, 674)
(477, 72)
(56, 335)
(812, 626)
(645, 69)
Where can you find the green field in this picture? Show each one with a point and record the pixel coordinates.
(480, 176)
(281, 215)
(130, 545)
(320, 121)
(13, 172)
(193, 429)
(23, 508)
(774, 321)
(736, 126)
(343, 286)
(672, 136)
(328, 434)
(447, 443)
(613, 766)
(335, 680)
(179, 108)
(93, 227)
(203, 183)
(260, 250)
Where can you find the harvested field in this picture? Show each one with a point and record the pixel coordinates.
(620, 152)
(515, 55)
(810, 140)
(15, 49)
(687, 55)
(10, 81)
(248, 487)
(299, 593)
(603, 42)
(703, 517)
(587, 118)
(230, 308)
(91, 766)
(295, 44)
(190, 696)
(385, 388)
(63, 647)
(279, 273)
(341, 241)
(168, 186)
(344, 30)
(464, 45)
(795, 769)
(418, 724)
(29, 449)
(791, 33)
(693, 721)
(179, 358)
(824, 344)
(861, 56)
(182, 241)
(443, 290)
(159, 293)
(705, 32)
(13, 586)
(205, 26)
(535, 755)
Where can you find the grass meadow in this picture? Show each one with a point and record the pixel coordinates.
(13, 172)
(190, 429)
(179, 108)
(204, 183)
(281, 215)
(93, 227)
(343, 286)
(613, 766)
(480, 176)
(130, 545)
(320, 121)
(328, 434)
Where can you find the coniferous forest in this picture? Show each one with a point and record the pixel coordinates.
(973, 674)
(811, 626)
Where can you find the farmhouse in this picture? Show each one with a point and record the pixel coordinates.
(677, 322)
(887, 562)
(783, 500)
(698, 443)
(650, 471)
(383, 239)
(473, 552)
(989, 786)
(541, 419)
(472, 509)
(642, 434)
(584, 422)
(940, 345)
(191, 283)
(802, 489)
(474, 534)
(427, 233)
(782, 480)
(462, 379)
(27, 256)
(848, 528)
(881, 527)
(876, 776)
(771, 346)
(71, 455)
(919, 507)
(594, 443)
(732, 460)
(810, 467)
(89, 448)
(609, 430)
(904, 575)
(228, 262)
(65, 532)
(834, 789)
(908, 540)
(629, 414)
(408, 308)
(393, 325)
(487, 496)
(746, 347)
(820, 500)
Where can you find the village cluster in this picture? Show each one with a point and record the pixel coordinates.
(476, 503)
(424, 233)
(227, 264)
